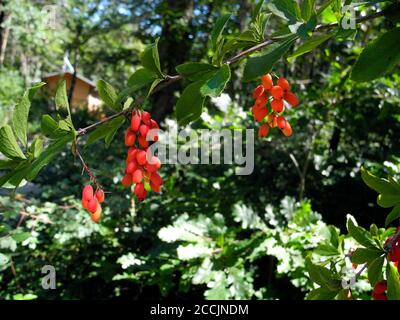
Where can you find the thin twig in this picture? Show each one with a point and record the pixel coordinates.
(87, 169)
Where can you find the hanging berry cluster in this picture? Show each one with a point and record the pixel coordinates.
(141, 167)
(276, 95)
(91, 201)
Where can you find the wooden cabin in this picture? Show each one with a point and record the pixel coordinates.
(84, 95)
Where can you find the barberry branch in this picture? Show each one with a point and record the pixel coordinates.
(87, 169)
(168, 79)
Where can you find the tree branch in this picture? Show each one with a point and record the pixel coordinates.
(168, 80)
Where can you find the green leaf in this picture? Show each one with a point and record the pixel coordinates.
(21, 113)
(150, 58)
(378, 184)
(194, 70)
(257, 9)
(47, 155)
(219, 27)
(309, 45)
(51, 129)
(326, 250)
(393, 282)
(113, 128)
(388, 200)
(375, 270)
(214, 86)
(21, 236)
(378, 58)
(262, 64)
(359, 234)
(307, 9)
(190, 104)
(363, 255)
(8, 144)
(393, 215)
(141, 78)
(321, 294)
(36, 148)
(322, 276)
(324, 6)
(61, 98)
(153, 85)
(7, 164)
(106, 130)
(285, 9)
(108, 94)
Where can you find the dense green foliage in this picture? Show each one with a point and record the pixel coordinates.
(287, 231)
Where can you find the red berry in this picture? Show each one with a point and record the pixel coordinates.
(262, 100)
(100, 195)
(143, 130)
(96, 216)
(380, 287)
(87, 192)
(377, 296)
(277, 92)
(146, 118)
(284, 84)
(131, 154)
(287, 131)
(92, 206)
(130, 138)
(140, 191)
(291, 99)
(281, 121)
(153, 165)
(272, 121)
(155, 187)
(131, 167)
(267, 81)
(141, 157)
(394, 254)
(85, 203)
(259, 112)
(137, 176)
(156, 179)
(154, 124)
(135, 122)
(143, 142)
(277, 106)
(259, 90)
(127, 180)
(263, 131)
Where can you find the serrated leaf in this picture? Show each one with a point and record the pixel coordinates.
(47, 155)
(50, 128)
(285, 9)
(262, 64)
(388, 200)
(194, 70)
(21, 113)
(393, 215)
(321, 294)
(216, 84)
(141, 78)
(190, 104)
(61, 98)
(106, 129)
(309, 45)
(219, 27)
(393, 282)
(363, 255)
(108, 94)
(322, 276)
(375, 270)
(378, 58)
(150, 58)
(378, 184)
(359, 234)
(307, 9)
(8, 144)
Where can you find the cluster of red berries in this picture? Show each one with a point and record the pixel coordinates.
(141, 166)
(379, 292)
(276, 95)
(91, 201)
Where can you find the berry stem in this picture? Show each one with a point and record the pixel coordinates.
(87, 169)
